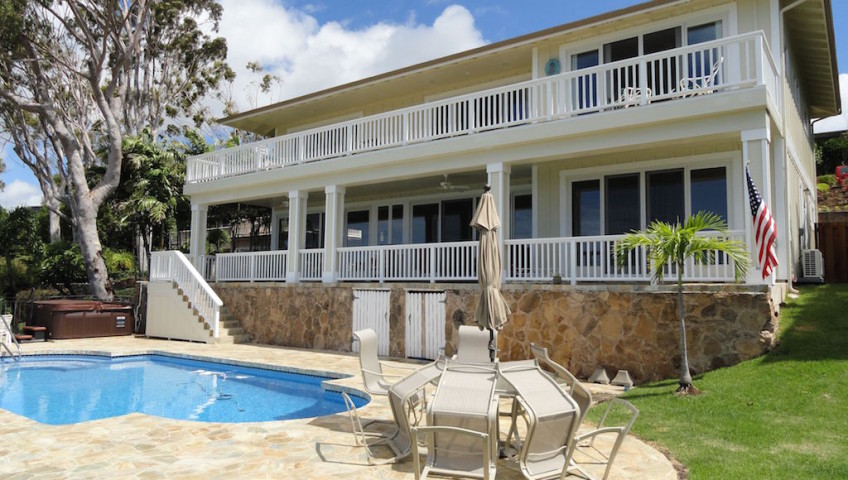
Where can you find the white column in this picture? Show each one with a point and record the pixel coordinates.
(297, 233)
(499, 181)
(197, 244)
(333, 225)
(757, 156)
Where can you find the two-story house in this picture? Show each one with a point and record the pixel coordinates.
(585, 131)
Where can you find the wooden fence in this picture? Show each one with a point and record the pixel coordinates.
(833, 243)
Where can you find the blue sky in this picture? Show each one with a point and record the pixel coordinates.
(320, 43)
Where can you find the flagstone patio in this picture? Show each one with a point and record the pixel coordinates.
(138, 446)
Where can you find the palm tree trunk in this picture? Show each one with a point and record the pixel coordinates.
(685, 377)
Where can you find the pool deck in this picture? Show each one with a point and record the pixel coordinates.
(138, 446)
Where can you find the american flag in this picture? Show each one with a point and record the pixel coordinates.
(765, 230)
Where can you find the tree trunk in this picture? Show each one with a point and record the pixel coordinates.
(92, 250)
(54, 226)
(685, 376)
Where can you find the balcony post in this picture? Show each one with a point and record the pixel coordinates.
(197, 242)
(333, 225)
(499, 174)
(297, 233)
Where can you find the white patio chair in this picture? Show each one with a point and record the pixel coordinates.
(362, 438)
(376, 382)
(461, 435)
(473, 345)
(551, 418)
(407, 398)
(583, 397)
(703, 84)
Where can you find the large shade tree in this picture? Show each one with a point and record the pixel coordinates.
(76, 76)
(670, 246)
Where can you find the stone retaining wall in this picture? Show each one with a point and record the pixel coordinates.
(619, 327)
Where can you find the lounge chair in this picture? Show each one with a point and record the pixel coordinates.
(585, 442)
(407, 398)
(702, 84)
(361, 437)
(461, 435)
(551, 417)
(473, 345)
(376, 382)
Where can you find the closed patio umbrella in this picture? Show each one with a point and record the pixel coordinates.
(492, 310)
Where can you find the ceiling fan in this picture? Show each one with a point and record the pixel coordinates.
(448, 186)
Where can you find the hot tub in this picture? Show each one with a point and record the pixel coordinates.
(82, 318)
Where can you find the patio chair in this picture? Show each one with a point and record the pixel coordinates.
(407, 398)
(376, 382)
(362, 438)
(572, 386)
(551, 418)
(702, 84)
(473, 345)
(585, 442)
(461, 435)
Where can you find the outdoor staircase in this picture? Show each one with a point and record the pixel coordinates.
(229, 328)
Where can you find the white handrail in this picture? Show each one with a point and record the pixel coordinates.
(449, 261)
(630, 82)
(7, 338)
(174, 266)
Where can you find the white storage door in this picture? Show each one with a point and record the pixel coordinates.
(425, 324)
(371, 310)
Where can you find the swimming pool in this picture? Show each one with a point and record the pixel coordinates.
(65, 389)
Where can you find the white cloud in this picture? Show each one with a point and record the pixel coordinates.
(309, 57)
(20, 193)
(838, 123)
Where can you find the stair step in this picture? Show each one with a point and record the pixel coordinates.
(34, 328)
(23, 338)
(232, 331)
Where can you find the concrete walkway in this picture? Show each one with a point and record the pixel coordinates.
(138, 446)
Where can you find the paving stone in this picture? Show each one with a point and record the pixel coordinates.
(140, 447)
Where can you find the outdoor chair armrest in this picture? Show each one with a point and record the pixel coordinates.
(398, 367)
(599, 431)
(381, 374)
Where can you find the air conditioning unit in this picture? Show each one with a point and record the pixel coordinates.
(812, 265)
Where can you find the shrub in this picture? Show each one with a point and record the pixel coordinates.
(62, 267)
(829, 179)
(823, 187)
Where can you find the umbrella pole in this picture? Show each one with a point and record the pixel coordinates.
(492, 346)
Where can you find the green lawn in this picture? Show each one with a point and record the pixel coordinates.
(783, 415)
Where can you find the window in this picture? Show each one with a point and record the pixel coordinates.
(283, 241)
(522, 216)
(662, 73)
(665, 196)
(356, 234)
(586, 208)
(456, 220)
(701, 62)
(709, 191)
(585, 88)
(425, 223)
(390, 225)
(621, 204)
(314, 230)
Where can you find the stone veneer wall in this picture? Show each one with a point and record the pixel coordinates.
(616, 326)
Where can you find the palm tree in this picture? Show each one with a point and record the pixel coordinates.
(670, 246)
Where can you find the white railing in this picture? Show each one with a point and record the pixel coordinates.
(207, 266)
(251, 266)
(173, 266)
(311, 264)
(592, 259)
(741, 61)
(456, 261)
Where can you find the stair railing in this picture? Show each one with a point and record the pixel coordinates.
(7, 339)
(174, 266)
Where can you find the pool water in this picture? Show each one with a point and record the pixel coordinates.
(65, 389)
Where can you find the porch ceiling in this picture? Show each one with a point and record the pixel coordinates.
(809, 29)
(461, 184)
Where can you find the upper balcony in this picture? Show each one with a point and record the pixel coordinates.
(733, 63)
